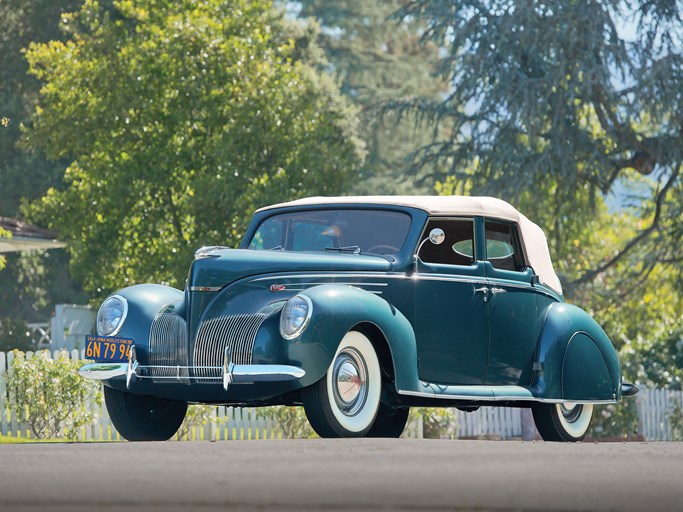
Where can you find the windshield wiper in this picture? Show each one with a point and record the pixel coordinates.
(354, 249)
(276, 248)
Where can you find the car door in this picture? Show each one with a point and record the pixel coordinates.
(513, 307)
(451, 308)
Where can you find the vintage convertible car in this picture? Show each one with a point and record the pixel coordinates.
(358, 308)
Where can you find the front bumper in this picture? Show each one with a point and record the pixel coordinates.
(229, 372)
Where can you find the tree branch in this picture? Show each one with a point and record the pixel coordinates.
(592, 274)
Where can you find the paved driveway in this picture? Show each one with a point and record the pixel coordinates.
(342, 475)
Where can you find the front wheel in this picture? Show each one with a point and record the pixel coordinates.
(562, 422)
(143, 418)
(344, 403)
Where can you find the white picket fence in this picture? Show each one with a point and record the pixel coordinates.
(655, 407)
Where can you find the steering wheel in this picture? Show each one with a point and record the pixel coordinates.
(384, 249)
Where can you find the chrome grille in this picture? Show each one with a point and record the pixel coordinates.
(168, 347)
(235, 331)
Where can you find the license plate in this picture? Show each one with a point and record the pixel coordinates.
(106, 348)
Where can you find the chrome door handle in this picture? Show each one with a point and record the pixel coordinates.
(498, 290)
(484, 290)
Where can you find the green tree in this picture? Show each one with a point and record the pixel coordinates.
(32, 282)
(24, 174)
(179, 119)
(377, 59)
(572, 100)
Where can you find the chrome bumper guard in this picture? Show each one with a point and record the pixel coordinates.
(230, 372)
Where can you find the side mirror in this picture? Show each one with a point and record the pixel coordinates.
(436, 236)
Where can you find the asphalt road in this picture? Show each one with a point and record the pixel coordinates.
(342, 475)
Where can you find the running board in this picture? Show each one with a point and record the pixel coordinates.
(489, 394)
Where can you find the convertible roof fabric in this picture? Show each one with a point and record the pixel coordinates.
(533, 238)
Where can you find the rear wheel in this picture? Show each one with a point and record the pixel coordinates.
(562, 422)
(344, 403)
(143, 418)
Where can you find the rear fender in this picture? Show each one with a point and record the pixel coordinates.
(336, 310)
(577, 360)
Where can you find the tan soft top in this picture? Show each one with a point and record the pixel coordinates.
(533, 238)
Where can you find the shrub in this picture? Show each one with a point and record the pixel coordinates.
(612, 421)
(50, 396)
(198, 415)
(437, 422)
(291, 420)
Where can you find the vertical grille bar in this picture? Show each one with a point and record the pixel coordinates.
(235, 331)
(168, 346)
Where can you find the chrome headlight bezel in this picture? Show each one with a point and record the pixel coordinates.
(108, 303)
(288, 329)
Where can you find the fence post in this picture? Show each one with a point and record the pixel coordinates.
(10, 395)
(3, 394)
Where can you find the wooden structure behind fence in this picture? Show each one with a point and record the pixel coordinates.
(655, 412)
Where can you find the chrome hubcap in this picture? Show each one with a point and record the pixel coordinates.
(571, 412)
(349, 379)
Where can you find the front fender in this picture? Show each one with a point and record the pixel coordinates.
(577, 359)
(145, 301)
(336, 310)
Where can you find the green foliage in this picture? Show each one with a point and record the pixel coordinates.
(4, 234)
(179, 119)
(50, 396)
(556, 99)
(291, 420)
(615, 421)
(33, 282)
(198, 415)
(14, 334)
(675, 417)
(437, 422)
(24, 175)
(377, 59)
(30, 284)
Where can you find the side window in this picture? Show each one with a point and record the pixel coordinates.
(503, 249)
(268, 236)
(457, 248)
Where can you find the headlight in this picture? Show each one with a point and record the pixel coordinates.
(111, 315)
(295, 316)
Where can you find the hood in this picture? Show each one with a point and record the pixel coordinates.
(220, 267)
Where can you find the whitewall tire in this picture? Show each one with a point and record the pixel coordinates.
(344, 403)
(563, 422)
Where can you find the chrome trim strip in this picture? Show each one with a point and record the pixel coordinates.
(527, 397)
(103, 371)
(379, 275)
(432, 277)
(240, 372)
(205, 288)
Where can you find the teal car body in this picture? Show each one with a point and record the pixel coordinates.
(478, 320)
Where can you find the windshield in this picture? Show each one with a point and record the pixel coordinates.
(373, 231)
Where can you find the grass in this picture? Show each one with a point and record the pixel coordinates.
(20, 440)
(24, 440)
